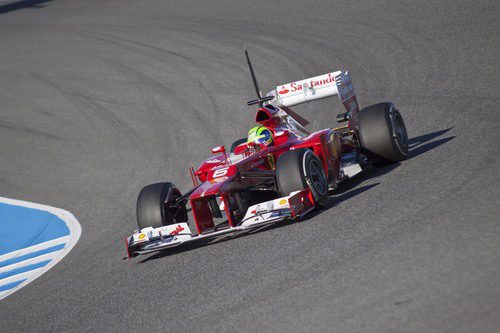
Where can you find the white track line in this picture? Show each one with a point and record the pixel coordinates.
(25, 275)
(34, 248)
(35, 260)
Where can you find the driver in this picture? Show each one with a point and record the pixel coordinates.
(260, 136)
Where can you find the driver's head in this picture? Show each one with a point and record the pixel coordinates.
(260, 135)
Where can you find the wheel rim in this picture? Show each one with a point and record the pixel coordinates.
(401, 135)
(317, 176)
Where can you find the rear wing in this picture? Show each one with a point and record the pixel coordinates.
(326, 85)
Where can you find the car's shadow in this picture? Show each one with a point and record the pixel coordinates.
(420, 144)
(23, 4)
(346, 190)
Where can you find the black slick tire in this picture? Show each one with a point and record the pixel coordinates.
(151, 205)
(295, 167)
(382, 133)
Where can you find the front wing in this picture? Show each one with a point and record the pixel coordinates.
(149, 240)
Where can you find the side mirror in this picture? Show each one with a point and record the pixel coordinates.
(281, 133)
(218, 150)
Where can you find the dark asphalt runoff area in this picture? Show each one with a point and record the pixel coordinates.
(101, 97)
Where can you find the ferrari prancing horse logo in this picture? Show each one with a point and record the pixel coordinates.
(271, 161)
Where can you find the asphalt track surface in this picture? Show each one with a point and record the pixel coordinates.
(99, 98)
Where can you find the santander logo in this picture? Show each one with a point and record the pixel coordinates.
(283, 91)
(315, 82)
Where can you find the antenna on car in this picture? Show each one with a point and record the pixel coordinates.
(260, 99)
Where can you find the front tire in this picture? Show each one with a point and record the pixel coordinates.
(294, 167)
(382, 133)
(151, 210)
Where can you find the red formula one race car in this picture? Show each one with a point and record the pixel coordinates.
(281, 171)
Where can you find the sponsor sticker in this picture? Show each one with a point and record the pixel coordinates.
(165, 240)
(344, 87)
(178, 229)
(312, 83)
(271, 161)
(283, 91)
(275, 214)
(218, 180)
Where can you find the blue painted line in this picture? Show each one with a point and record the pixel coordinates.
(23, 269)
(11, 285)
(21, 227)
(32, 255)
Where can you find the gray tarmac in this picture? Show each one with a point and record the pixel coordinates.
(99, 98)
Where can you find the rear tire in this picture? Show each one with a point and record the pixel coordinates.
(292, 169)
(382, 133)
(151, 210)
